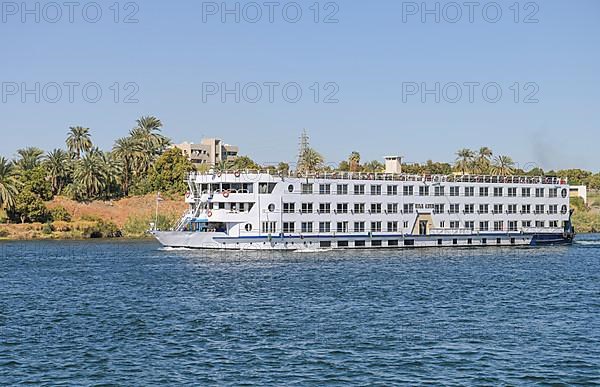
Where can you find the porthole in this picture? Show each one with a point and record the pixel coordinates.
(290, 188)
(271, 207)
(564, 209)
(248, 227)
(564, 193)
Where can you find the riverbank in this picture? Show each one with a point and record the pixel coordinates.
(126, 218)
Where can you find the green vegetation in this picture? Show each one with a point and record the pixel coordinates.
(143, 162)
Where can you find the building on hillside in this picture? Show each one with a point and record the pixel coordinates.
(579, 191)
(210, 151)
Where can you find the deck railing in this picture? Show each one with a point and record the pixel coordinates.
(551, 180)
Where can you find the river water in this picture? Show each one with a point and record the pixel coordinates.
(133, 313)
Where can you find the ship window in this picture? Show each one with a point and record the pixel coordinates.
(392, 243)
(439, 242)
(454, 241)
(470, 241)
(512, 241)
(483, 241)
(324, 208)
(307, 189)
(325, 244)
(498, 241)
(359, 208)
(289, 227)
(564, 193)
(360, 244)
(271, 207)
(307, 227)
(248, 227)
(342, 189)
(324, 226)
(359, 226)
(342, 243)
(539, 192)
(289, 208)
(409, 242)
(266, 188)
(324, 189)
(564, 209)
(290, 188)
(375, 190)
(376, 243)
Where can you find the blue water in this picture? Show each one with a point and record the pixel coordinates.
(131, 313)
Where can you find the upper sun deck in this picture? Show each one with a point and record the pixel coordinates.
(270, 175)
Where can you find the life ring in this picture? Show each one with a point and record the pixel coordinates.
(370, 176)
(209, 213)
(218, 174)
(188, 194)
(236, 173)
(226, 194)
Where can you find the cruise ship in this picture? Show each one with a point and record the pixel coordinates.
(262, 210)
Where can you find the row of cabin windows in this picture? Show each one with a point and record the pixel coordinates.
(409, 208)
(344, 227)
(409, 190)
(512, 225)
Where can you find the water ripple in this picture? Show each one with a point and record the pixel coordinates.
(131, 313)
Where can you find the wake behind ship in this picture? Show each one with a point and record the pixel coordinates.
(261, 210)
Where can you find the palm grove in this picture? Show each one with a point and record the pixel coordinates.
(144, 162)
(137, 164)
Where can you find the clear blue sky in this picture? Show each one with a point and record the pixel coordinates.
(369, 54)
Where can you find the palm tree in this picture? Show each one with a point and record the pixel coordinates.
(89, 176)
(57, 163)
(503, 166)
(111, 171)
(8, 184)
(483, 161)
(464, 160)
(310, 161)
(223, 166)
(373, 167)
(126, 150)
(29, 158)
(79, 140)
(149, 142)
(354, 161)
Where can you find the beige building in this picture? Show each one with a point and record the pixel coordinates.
(579, 191)
(210, 151)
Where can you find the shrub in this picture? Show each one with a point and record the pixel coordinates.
(60, 214)
(138, 226)
(101, 229)
(3, 233)
(47, 229)
(61, 226)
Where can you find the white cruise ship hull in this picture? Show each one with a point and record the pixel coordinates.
(220, 241)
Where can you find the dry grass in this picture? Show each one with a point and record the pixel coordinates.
(118, 212)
